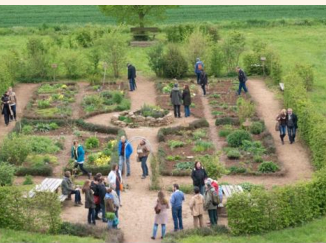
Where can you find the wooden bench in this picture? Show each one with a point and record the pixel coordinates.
(48, 185)
(142, 32)
(281, 86)
(228, 190)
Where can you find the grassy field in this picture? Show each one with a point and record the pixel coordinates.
(311, 232)
(8, 236)
(82, 14)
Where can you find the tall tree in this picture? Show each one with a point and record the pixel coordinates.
(135, 14)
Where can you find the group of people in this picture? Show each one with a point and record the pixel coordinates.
(8, 106)
(287, 120)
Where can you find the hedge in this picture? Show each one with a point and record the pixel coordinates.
(104, 170)
(44, 170)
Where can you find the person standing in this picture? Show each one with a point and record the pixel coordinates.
(115, 179)
(13, 103)
(199, 176)
(68, 189)
(186, 97)
(242, 80)
(199, 66)
(292, 124)
(5, 107)
(124, 150)
(282, 122)
(197, 208)
(78, 154)
(209, 203)
(101, 193)
(161, 215)
(95, 188)
(176, 100)
(176, 201)
(143, 152)
(203, 81)
(131, 77)
(113, 204)
(89, 202)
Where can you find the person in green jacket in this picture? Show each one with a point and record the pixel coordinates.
(68, 189)
(208, 205)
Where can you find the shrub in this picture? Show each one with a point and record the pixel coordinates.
(227, 129)
(227, 121)
(28, 180)
(268, 167)
(178, 33)
(201, 146)
(236, 138)
(153, 111)
(245, 109)
(214, 168)
(307, 75)
(258, 159)
(256, 128)
(43, 104)
(27, 129)
(247, 186)
(175, 144)
(15, 149)
(43, 145)
(184, 166)
(155, 58)
(199, 134)
(255, 148)
(234, 154)
(174, 63)
(155, 175)
(216, 61)
(44, 170)
(237, 170)
(92, 142)
(7, 173)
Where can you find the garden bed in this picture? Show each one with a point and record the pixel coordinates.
(163, 96)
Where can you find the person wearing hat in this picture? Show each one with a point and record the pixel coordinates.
(208, 205)
(176, 100)
(199, 66)
(143, 152)
(131, 77)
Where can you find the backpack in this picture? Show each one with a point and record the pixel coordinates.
(200, 66)
(215, 198)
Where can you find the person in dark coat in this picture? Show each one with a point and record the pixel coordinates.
(242, 80)
(176, 100)
(95, 187)
(5, 107)
(89, 201)
(102, 192)
(292, 124)
(199, 176)
(131, 77)
(199, 66)
(203, 81)
(186, 97)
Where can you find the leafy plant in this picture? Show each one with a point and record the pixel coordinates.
(15, 149)
(92, 142)
(173, 158)
(27, 129)
(245, 109)
(153, 111)
(199, 134)
(7, 172)
(174, 63)
(236, 138)
(237, 170)
(43, 104)
(234, 154)
(258, 159)
(184, 165)
(213, 166)
(255, 147)
(256, 128)
(201, 146)
(268, 167)
(175, 144)
(43, 145)
(247, 186)
(225, 131)
(28, 180)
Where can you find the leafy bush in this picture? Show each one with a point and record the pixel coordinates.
(236, 138)
(199, 134)
(216, 61)
(214, 168)
(174, 63)
(44, 170)
(155, 175)
(43, 145)
(256, 128)
(45, 127)
(234, 154)
(258, 159)
(255, 148)
(156, 62)
(15, 149)
(306, 72)
(245, 109)
(7, 173)
(28, 180)
(92, 142)
(178, 33)
(184, 166)
(247, 186)
(153, 111)
(201, 146)
(225, 131)
(227, 121)
(43, 104)
(268, 167)
(237, 169)
(27, 129)
(175, 144)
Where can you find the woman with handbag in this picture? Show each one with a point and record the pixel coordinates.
(281, 123)
(143, 152)
(95, 187)
(115, 179)
(161, 214)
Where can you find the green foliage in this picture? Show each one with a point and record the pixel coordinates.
(268, 167)
(43, 145)
(7, 172)
(15, 149)
(256, 128)
(216, 61)
(202, 146)
(155, 175)
(6, 79)
(234, 154)
(175, 144)
(178, 33)
(258, 159)
(199, 134)
(36, 170)
(245, 109)
(173, 158)
(27, 129)
(237, 138)
(43, 104)
(227, 121)
(185, 188)
(92, 142)
(74, 63)
(28, 180)
(153, 111)
(255, 147)
(247, 186)
(184, 166)
(237, 169)
(307, 75)
(155, 59)
(214, 168)
(174, 63)
(225, 131)
(45, 127)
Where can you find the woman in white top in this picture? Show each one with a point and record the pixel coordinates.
(115, 179)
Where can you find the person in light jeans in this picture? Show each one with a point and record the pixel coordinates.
(124, 150)
(176, 201)
(143, 152)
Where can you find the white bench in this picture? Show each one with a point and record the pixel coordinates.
(228, 190)
(48, 185)
(282, 86)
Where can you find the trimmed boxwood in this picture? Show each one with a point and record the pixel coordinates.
(44, 170)
(236, 138)
(227, 121)
(104, 170)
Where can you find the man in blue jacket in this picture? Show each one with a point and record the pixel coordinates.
(176, 201)
(124, 151)
(199, 66)
(78, 154)
(242, 80)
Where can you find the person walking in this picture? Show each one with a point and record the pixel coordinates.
(176, 100)
(78, 154)
(186, 97)
(5, 107)
(282, 122)
(176, 201)
(124, 150)
(67, 188)
(143, 152)
(199, 66)
(13, 104)
(161, 215)
(242, 80)
(199, 176)
(115, 179)
(131, 77)
(197, 208)
(89, 202)
(203, 81)
(292, 124)
(209, 203)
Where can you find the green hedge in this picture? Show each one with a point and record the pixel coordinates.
(104, 170)
(45, 170)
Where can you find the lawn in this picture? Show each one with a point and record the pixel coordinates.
(311, 232)
(8, 236)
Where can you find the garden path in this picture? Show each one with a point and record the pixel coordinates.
(79, 98)
(24, 93)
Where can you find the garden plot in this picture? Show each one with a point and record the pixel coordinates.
(163, 98)
(52, 100)
(248, 147)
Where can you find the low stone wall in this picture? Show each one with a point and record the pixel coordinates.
(137, 120)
